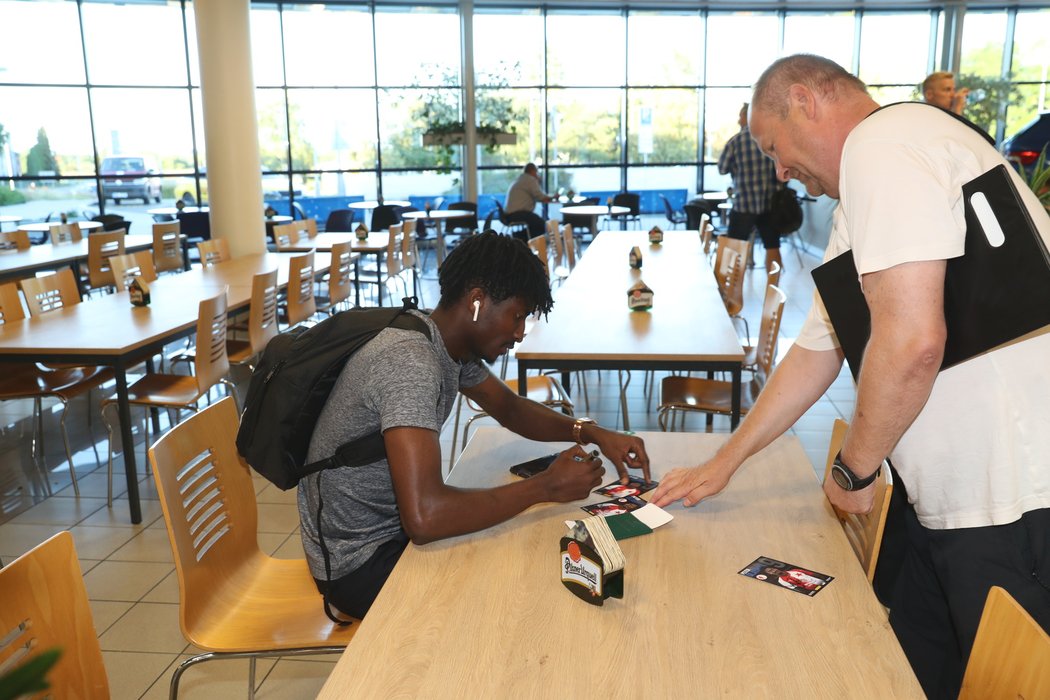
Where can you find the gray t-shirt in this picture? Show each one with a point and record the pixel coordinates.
(399, 379)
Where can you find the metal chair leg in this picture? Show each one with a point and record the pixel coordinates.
(69, 453)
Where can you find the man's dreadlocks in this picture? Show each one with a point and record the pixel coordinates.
(502, 266)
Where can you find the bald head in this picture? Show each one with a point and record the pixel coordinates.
(822, 76)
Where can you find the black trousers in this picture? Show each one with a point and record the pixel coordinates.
(354, 593)
(537, 226)
(741, 224)
(939, 593)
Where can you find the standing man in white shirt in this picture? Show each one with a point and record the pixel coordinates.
(522, 197)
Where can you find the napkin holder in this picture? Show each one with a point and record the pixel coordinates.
(634, 258)
(583, 573)
(361, 232)
(639, 297)
(138, 291)
(656, 235)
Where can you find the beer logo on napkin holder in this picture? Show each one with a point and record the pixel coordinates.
(639, 297)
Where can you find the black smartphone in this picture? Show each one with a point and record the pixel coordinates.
(533, 466)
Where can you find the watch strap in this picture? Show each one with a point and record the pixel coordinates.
(856, 483)
(577, 429)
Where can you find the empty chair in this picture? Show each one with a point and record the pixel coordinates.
(384, 216)
(46, 607)
(213, 251)
(196, 226)
(340, 220)
(731, 258)
(101, 247)
(130, 265)
(674, 217)
(340, 279)
(864, 532)
(1011, 653)
(113, 222)
(235, 601)
(466, 225)
(50, 292)
(633, 202)
(581, 222)
(17, 240)
(167, 246)
(711, 396)
(300, 302)
(262, 321)
(287, 235)
(65, 233)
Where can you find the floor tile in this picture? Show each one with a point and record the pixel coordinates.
(124, 580)
(99, 542)
(167, 591)
(278, 517)
(17, 539)
(292, 679)
(152, 627)
(60, 511)
(119, 515)
(220, 678)
(131, 674)
(147, 545)
(106, 612)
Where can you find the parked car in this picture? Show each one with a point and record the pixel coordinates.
(129, 177)
(1025, 146)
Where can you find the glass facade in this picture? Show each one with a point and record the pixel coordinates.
(602, 99)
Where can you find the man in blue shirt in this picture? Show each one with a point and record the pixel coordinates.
(754, 180)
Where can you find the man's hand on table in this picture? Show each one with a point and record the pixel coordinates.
(859, 502)
(691, 484)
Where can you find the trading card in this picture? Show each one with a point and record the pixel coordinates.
(790, 576)
(615, 506)
(635, 487)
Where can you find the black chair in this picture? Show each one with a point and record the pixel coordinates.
(488, 221)
(196, 227)
(509, 227)
(298, 212)
(633, 202)
(464, 225)
(674, 217)
(386, 215)
(581, 222)
(340, 220)
(113, 222)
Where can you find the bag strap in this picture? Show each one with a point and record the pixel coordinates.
(957, 117)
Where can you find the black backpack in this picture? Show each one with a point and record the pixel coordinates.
(291, 384)
(785, 213)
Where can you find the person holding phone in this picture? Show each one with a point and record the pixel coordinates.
(405, 385)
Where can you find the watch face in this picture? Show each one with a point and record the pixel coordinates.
(840, 478)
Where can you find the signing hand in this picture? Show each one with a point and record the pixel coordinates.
(624, 451)
(691, 485)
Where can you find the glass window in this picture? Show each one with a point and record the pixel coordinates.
(522, 110)
(733, 63)
(33, 29)
(421, 185)
(894, 48)
(600, 183)
(120, 52)
(50, 134)
(273, 128)
(402, 122)
(191, 43)
(982, 43)
(585, 49)
(584, 125)
(494, 183)
(333, 129)
(722, 119)
(1031, 59)
(663, 125)
(417, 46)
(828, 35)
(266, 45)
(676, 182)
(328, 45)
(665, 48)
(499, 61)
(130, 121)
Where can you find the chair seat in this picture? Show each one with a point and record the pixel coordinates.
(162, 390)
(28, 379)
(238, 351)
(261, 607)
(708, 395)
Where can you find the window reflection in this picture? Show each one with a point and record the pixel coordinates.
(116, 58)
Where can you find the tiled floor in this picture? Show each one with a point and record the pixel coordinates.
(128, 569)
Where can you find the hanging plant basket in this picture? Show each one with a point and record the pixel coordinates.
(456, 138)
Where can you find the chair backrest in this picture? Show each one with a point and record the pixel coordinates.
(210, 363)
(213, 251)
(301, 302)
(262, 313)
(101, 247)
(209, 506)
(630, 200)
(167, 248)
(309, 227)
(707, 233)
(773, 274)
(286, 235)
(46, 606)
(730, 263)
(340, 274)
(112, 222)
(10, 303)
(18, 239)
(409, 259)
(488, 221)
(469, 224)
(196, 225)
(569, 242)
(555, 241)
(1011, 653)
(579, 221)
(864, 532)
(384, 216)
(130, 265)
(668, 209)
(393, 252)
(65, 233)
(339, 220)
(769, 331)
(50, 292)
(538, 245)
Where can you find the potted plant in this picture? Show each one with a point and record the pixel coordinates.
(1038, 178)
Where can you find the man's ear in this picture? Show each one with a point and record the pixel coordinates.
(803, 99)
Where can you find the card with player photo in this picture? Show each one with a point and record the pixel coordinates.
(635, 487)
(790, 576)
(614, 506)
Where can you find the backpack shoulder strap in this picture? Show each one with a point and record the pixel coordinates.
(957, 117)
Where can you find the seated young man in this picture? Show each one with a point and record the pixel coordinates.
(405, 385)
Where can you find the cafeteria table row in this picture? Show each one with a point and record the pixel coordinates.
(486, 614)
(110, 331)
(52, 256)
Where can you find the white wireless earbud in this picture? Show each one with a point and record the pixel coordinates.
(477, 308)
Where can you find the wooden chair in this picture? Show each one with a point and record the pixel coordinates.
(18, 240)
(1011, 653)
(130, 265)
(29, 380)
(300, 304)
(309, 227)
(50, 292)
(179, 391)
(707, 234)
(340, 279)
(538, 244)
(569, 242)
(731, 258)
(234, 600)
(65, 233)
(556, 242)
(213, 250)
(286, 235)
(395, 267)
(46, 607)
(410, 260)
(167, 247)
(864, 532)
(262, 321)
(711, 396)
(101, 247)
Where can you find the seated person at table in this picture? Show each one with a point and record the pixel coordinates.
(522, 197)
(406, 386)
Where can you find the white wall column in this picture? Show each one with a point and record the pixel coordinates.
(470, 138)
(230, 125)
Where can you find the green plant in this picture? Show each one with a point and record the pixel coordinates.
(9, 196)
(1038, 178)
(30, 677)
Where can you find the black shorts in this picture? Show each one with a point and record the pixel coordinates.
(354, 593)
(741, 224)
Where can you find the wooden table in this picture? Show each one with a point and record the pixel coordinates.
(594, 211)
(375, 245)
(45, 226)
(486, 615)
(51, 256)
(373, 203)
(591, 327)
(439, 216)
(110, 331)
(9, 219)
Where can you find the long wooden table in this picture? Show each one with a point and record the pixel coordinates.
(375, 245)
(591, 327)
(486, 615)
(50, 256)
(110, 331)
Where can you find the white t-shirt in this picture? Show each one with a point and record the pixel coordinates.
(978, 453)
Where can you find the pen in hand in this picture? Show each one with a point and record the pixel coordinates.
(593, 454)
